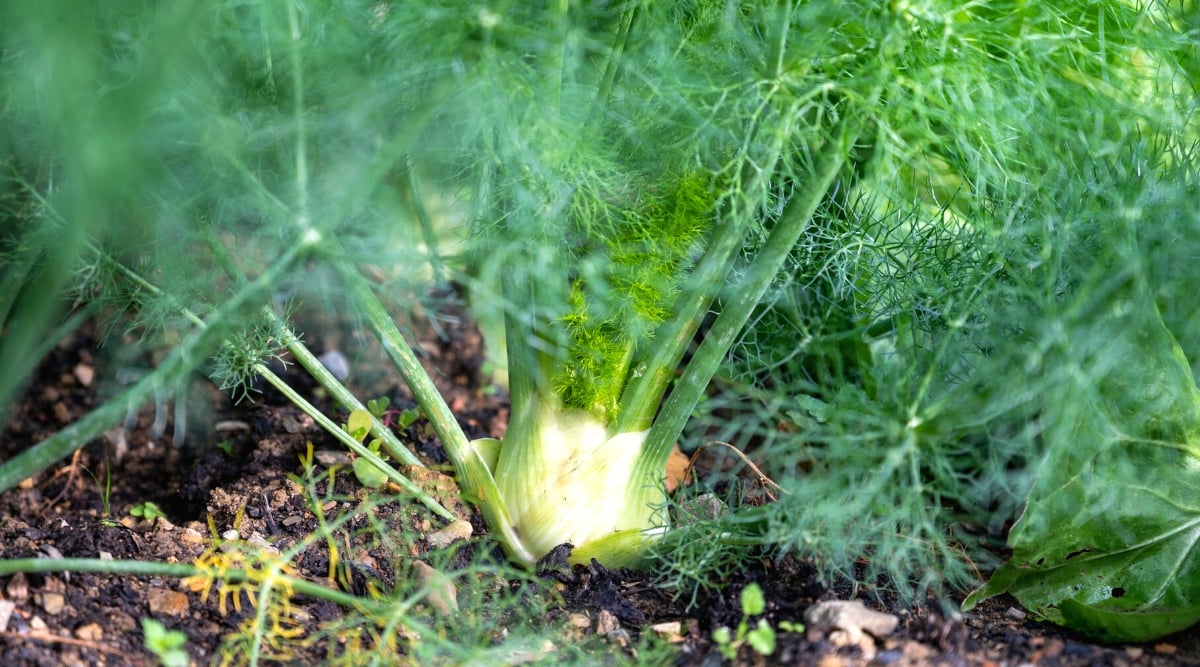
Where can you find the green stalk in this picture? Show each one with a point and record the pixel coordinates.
(653, 373)
(340, 393)
(194, 347)
(322, 375)
(16, 277)
(773, 66)
(737, 310)
(531, 357)
(299, 350)
(31, 294)
(97, 566)
(353, 445)
(416, 201)
(604, 91)
(301, 145)
(470, 468)
(180, 570)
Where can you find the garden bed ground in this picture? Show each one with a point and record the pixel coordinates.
(90, 619)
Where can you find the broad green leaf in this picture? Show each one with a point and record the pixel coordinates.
(358, 424)
(368, 475)
(753, 601)
(1095, 621)
(762, 638)
(1108, 541)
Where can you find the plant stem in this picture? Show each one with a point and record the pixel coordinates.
(474, 476)
(353, 445)
(653, 373)
(797, 216)
(315, 368)
(301, 146)
(773, 67)
(340, 393)
(416, 202)
(193, 349)
(299, 350)
(604, 91)
(159, 569)
(31, 291)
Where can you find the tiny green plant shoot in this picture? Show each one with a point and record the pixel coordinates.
(147, 510)
(358, 425)
(761, 637)
(166, 645)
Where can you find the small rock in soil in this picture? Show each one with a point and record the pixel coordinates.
(92, 632)
(18, 587)
(851, 616)
(458, 530)
(53, 603)
(85, 374)
(6, 612)
(336, 363)
(443, 595)
(672, 631)
(606, 623)
(579, 620)
(165, 602)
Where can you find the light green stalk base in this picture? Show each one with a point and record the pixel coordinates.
(566, 480)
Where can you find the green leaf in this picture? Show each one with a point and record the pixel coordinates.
(166, 645)
(147, 510)
(407, 418)
(762, 638)
(378, 406)
(753, 601)
(1126, 626)
(359, 424)
(791, 626)
(1107, 544)
(723, 638)
(368, 475)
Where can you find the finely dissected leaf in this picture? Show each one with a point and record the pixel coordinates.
(1108, 541)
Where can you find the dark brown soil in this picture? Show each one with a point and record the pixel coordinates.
(252, 484)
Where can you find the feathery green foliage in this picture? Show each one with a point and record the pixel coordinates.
(914, 204)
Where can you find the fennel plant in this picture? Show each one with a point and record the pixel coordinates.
(889, 193)
(613, 219)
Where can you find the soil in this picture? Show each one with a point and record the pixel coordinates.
(237, 473)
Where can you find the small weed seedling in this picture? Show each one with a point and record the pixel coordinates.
(105, 488)
(166, 645)
(358, 425)
(392, 418)
(761, 637)
(147, 510)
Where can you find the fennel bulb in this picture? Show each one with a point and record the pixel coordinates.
(565, 479)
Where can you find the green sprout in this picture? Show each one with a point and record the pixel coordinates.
(760, 637)
(147, 510)
(358, 425)
(166, 645)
